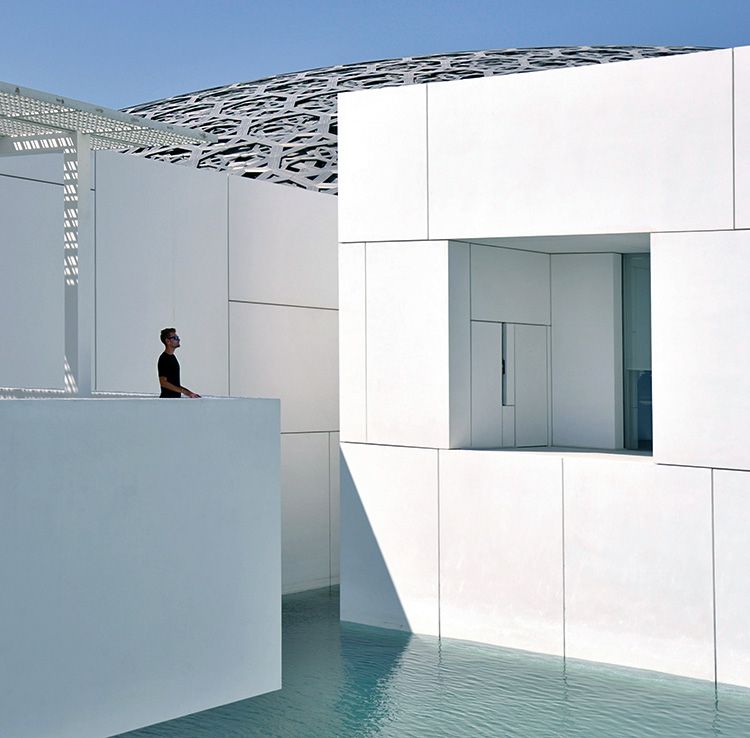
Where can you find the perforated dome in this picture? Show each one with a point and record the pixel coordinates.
(283, 129)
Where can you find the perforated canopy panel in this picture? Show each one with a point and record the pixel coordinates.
(283, 129)
(29, 113)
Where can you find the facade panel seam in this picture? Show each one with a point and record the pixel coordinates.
(31, 179)
(364, 297)
(284, 304)
(713, 578)
(471, 358)
(94, 341)
(439, 568)
(330, 521)
(229, 292)
(734, 149)
(562, 510)
(427, 157)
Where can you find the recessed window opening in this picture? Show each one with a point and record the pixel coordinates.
(636, 311)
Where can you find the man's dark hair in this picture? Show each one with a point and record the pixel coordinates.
(165, 334)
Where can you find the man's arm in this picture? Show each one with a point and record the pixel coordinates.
(182, 390)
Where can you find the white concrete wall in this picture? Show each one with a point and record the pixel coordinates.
(140, 573)
(287, 352)
(161, 260)
(389, 546)
(382, 162)
(609, 134)
(353, 342)
(732, 549)
(587, 382)
(32, 328)
(527, 154)
(617, 550)
(182, 247)
(282, 245)
(36, 167)
(283, 342)
(701, 348)
(309, 514)
(501, 549)
(604, 557)
(418, 343)
(638, 565)
(510, 285)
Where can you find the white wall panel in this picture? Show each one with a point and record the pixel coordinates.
(612, 148)
(418, 344)
(134, 562)
(282, 244)
(701, 348)
(732, 546)
(587, 350)
(638, 571)
(161, 260)
(352, 342)
(742, 136)
(382, 164)
(32, 329)
(291, 353)
(389, 537)
(501, 553)
(509, 286)
(39, 167)
(305, 511)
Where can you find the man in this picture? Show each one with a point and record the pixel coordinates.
(169, 367)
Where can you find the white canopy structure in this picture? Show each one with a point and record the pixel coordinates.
(33, 122)
(29, 118)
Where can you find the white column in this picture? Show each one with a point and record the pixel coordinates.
(78, 266)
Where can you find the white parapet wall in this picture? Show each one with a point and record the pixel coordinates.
(140, 561)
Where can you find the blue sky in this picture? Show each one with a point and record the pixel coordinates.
(123, 53)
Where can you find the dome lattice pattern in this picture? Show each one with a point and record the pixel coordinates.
(283, 129)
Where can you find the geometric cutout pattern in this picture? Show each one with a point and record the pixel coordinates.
(283, 129)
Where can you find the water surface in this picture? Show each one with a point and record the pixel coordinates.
(347, 681)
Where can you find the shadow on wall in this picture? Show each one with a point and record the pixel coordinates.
(368, 595)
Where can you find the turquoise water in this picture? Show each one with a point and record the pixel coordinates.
(347, 681)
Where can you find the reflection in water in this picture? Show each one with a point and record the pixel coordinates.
(371, 658)
(349, 681)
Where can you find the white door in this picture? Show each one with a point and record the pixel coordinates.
(531, 385)
(508, 385)
(486, 385)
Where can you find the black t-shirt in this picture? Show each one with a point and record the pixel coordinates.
(169, 367)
